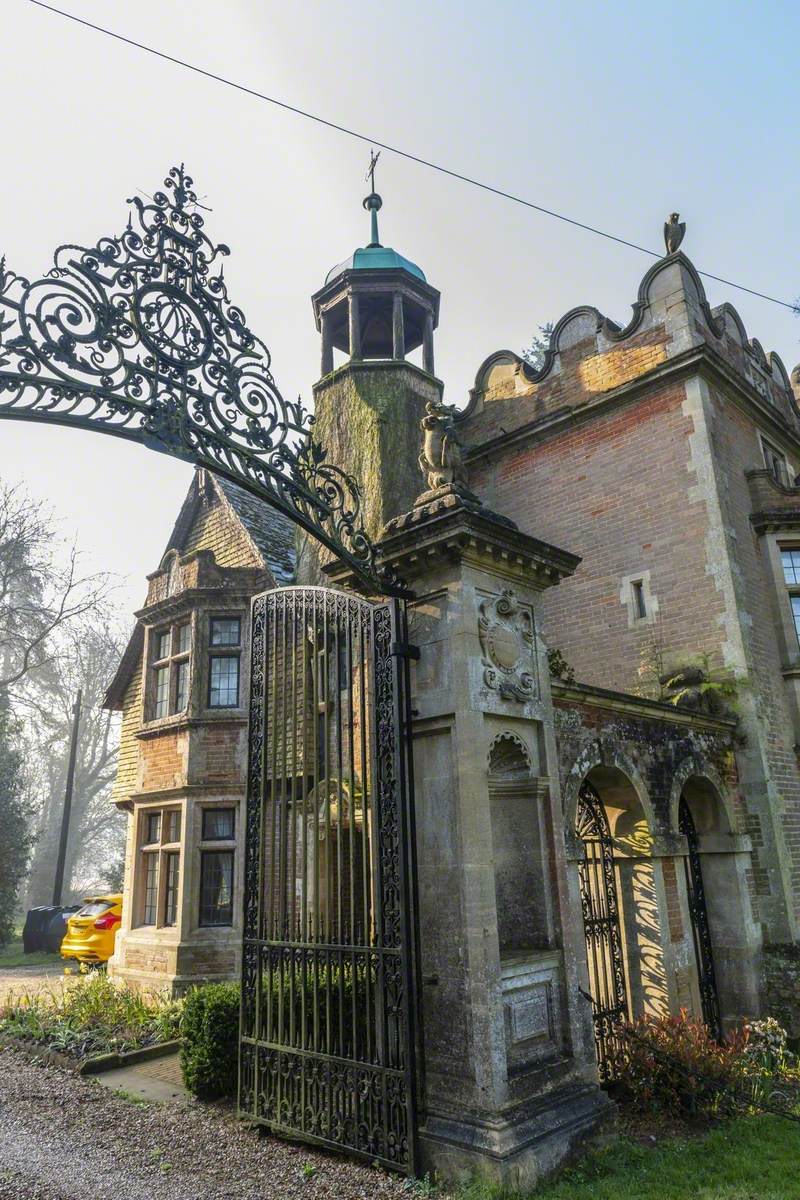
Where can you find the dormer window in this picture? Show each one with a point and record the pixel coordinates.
(170, 662)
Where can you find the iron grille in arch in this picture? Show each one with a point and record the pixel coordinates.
(701, 935)
(601, 925)
(327, 1048)
(136, 337)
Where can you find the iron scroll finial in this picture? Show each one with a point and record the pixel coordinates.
(136, 337)
(373, 202)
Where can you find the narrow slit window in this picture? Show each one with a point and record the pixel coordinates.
(639, 603)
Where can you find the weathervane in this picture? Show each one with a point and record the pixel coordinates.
(373, 202)
(373, 162)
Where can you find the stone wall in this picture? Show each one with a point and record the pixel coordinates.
(367, 416)
(780, 981)
(631, 448)
(752, 646)
(641, 757)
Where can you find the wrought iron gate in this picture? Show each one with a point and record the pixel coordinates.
(600, 905)
(698, 913)
(327, 1048)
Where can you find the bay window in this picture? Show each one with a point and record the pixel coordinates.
(170, 660)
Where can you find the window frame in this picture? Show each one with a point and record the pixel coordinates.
(210, 846)
(214, 809)
(152, 896)
(172, 663)
(772, 455)
(639, 600)
(224, 650)
(792, 587)
(206, 854)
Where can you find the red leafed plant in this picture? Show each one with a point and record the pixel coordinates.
(674, 1065)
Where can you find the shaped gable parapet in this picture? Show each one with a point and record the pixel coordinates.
(590, 355)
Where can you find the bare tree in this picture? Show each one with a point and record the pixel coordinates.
(84, 656)
(39, 594)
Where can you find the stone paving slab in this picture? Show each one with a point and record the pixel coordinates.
(159, 1079)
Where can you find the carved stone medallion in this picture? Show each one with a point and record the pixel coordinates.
(507, 642)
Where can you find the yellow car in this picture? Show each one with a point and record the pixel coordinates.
(91, 931)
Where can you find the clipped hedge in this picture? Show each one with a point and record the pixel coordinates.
(210, 1030)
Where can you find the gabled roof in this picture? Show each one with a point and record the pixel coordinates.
(269, 532)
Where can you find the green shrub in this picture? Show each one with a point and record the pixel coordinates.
(210, 1028)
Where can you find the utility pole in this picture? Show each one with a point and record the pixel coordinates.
(62, 844)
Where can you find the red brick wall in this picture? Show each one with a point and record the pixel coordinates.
(163, 761)
(219, 754)
(617, 491)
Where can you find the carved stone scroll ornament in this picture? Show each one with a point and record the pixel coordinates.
(507, 641)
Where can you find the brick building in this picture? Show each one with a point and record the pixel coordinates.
(182, 689)
(663, 454)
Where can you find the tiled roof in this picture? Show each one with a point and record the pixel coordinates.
(270, 531)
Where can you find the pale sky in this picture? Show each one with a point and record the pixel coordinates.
(615, 114)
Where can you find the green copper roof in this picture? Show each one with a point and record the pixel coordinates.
(375, 258)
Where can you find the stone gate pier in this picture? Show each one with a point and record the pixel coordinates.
(509, 1083)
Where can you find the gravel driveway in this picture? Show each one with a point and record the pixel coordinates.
(16, 981)
(67, 1138)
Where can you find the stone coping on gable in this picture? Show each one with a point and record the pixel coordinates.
(567, 694)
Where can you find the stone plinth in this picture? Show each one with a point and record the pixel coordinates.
(509, 1072)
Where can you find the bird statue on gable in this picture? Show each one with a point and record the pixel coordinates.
(674, 229)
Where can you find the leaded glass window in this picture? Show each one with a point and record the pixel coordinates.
(223, 681)
(216, 887)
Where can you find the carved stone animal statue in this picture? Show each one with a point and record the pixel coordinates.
(441, 460)
(674, 229)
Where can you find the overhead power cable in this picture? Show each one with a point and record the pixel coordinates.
(415, 158)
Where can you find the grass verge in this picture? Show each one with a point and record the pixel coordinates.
(751, 1158)
(12, 955)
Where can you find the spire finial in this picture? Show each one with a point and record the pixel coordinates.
(373, 202)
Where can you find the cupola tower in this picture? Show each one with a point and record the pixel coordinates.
(376, 308)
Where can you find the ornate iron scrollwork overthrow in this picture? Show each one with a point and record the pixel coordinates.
(136, 337)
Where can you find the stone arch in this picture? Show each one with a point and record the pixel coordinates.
(628, 810)
(720, 936)
(598, 755)
(509, 757)
(710, 800)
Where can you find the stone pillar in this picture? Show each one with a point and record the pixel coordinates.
(398, 330)
(735, 938)
(427, 344)
(510, 1075)
(327, 346)
(355, 327)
